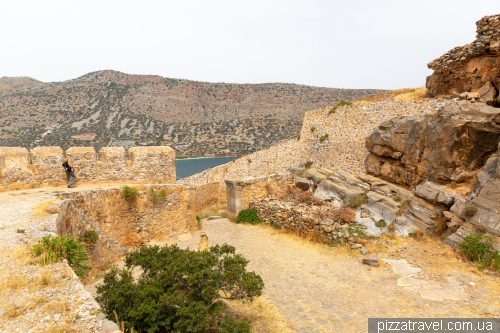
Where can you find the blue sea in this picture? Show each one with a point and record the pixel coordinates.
(187, 167)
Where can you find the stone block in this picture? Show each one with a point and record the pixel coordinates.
(82, 155)
(112, 155)
(47, 155)
(14, 157)
(336, 192)
(302, 183)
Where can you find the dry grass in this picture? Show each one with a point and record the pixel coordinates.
(14, 283)
(218, 209)
(417, 94)
(402, 94)
(13, 310)
(298, 196)
(265, 317)
(42, 208)
(347, 215)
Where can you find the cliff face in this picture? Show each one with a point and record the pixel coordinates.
(192, 117)
(469, 68)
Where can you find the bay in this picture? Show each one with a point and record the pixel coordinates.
(190, 166)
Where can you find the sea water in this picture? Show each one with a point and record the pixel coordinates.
(190, 166)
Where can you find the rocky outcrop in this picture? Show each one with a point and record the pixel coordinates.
(441, 148)
(474, 67)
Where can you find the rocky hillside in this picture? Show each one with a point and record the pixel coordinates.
(196, 118)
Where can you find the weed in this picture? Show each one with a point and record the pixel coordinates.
(249, 161)
(357, 201)
(41, 208)
(15, 310)
(20, 231)
(323, 137)
(381, 224)
(198, 219)
(298, 137)
(297, 196)
(90, 238)
(129, 192)
(403, 207)
(157, 197)
(307, 165)
(385, 129)
(397, 198)
(470, 210)
(478, 248)
(248, 216)
(342, 215)
(312, 129)
(52, 249)
(275, 225)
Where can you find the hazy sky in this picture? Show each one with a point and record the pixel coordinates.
(344, 44)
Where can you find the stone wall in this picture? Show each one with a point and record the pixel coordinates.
(276, 159)
(127, 224)
(468, 68)
(20, 168)
(240, 192)
(347, 128)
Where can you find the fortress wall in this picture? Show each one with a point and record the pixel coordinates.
(43, 166)
(276, 159)
(347, 129)
(127, 224)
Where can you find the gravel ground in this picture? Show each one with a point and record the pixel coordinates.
(35, 298)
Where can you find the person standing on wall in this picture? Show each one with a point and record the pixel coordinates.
(70, 171)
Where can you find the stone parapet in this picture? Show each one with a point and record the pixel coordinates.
(42, 166)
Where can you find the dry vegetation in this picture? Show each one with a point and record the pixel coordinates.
(404, 94)
(45, 208)
(344, 215)
(298, 196)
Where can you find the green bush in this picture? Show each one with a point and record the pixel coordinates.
(90, 237)
(478, 248)
(470, 210)
(298, 137)
(179, 290)
(323, 137)
(53, 249)
(275, 225)
(381, 224)
(307, 165)
(129, 192)
(20, 231)
(343, 103)
(248, 216)
(313, 128)
(157, 197)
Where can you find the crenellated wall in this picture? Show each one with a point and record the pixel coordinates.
(20, 168)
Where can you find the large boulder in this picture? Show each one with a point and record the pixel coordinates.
(302, 183)
(431, 148)
(470, 67)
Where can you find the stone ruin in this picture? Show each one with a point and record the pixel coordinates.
(471, 71)
(20, 168)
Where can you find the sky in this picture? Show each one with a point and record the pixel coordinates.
(380, 44)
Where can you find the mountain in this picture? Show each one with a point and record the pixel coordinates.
(195, 118)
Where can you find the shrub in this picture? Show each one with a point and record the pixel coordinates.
(470, 210)
(381, 224)
(313, 128)
(275, 225)
(307, 165)
(248, 216)
(90, 237)
(129, 192)
(179, 290)
(298, 137)
(358, 201)
(157, 197)
(249, 161)
(403, 207)
(297, 196)
(343, 103)
(52, 249)
(343, 215)
(323, 137)
(478, 248)
(20, 231)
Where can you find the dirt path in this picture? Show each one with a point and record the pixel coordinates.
(322, 292)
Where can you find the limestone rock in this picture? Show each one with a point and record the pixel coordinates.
(371, 260)
(297, 170)
(203, 242)
(314, 175)
(487, 93)
(302, 183)
(337, 192)
(108, 326)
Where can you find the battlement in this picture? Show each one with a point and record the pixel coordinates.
(42, 166)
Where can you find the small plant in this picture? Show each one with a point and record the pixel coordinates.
(397, 198)
(157, 197)
(198, 219)
(470, 210)
(20, 231)
(343, 103)
(403, 207)
(358, 201)
(53, 249)
(385, 129)
(249, 161)
(381, 224)
(478, 248)
(267, 147)
(298, 137)
(332, 110)
(323, 137)
(248, 216)
(129, 192)
(90, 237)
(275, 225)
(307, 165)
(312, 129)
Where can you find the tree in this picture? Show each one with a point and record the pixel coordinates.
(178, 290)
